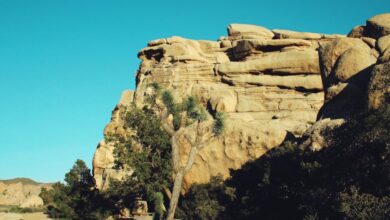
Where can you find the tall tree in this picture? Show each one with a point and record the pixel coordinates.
(187, 115)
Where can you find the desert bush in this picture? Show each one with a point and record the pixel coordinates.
(77, 198)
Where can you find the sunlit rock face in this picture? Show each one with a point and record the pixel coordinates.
(21, 192)
(268, 83)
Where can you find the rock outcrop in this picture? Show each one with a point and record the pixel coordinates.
(355, 74)
(21, 192)
(269, 84)
(104, 160)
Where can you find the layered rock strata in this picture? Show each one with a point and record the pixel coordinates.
(268, 83)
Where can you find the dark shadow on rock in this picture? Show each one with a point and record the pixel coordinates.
(351, 100)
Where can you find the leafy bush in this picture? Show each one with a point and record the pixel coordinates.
(203, 201)
(219, 123)
(16, 209)
(357, 205)
(159, 207)
(168, 101)
(77, 198)
(348, 180)
(150, 159)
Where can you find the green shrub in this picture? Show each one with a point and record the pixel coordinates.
(205, 201)
(150, 159)
(77, 198)
(158, 206)
(168, 101)
(348, 180)
(219, 123)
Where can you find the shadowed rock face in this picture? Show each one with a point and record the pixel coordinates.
(355, 74)
(268, 84)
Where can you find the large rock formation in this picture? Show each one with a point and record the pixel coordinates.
(356, 75)
(268, 83)
(21, 192)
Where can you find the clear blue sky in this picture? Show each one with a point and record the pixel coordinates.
(64, 63)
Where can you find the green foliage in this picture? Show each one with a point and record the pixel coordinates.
(17, 209)
(158, 206)
(155, 86)
(47, 195)
(79, 175)
(348, 180)
(150, 159)
(219, 123)
(172, 108)
(169, 102)
(77, 198)
(194, 110)
(190, 105)
(203, 201)
(176, 120)
(357, 205)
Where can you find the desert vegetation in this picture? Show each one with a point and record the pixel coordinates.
(152, 155)
(347, 180)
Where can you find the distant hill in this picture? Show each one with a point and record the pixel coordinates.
(22, 180)
(23, 192)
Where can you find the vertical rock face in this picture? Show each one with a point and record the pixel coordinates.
(268, 84)
(345, 65)
(356, 75)
(104, 160)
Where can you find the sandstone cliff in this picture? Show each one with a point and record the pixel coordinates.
(21, 192)
(269, 83)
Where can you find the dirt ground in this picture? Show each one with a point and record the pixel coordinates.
(24, 216)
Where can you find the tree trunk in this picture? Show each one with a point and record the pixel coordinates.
(180, 171)
(175, 194)
(179, 181)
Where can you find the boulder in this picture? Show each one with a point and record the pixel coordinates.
(383, 46)
(379, 86)
(331, 52)
(378, 26)
(315, 138)
(345, 67)
(357, 32)
(289, 62)
(352, 62)
(283, 34)
(247, 31)
(369, 41)
(243, 48)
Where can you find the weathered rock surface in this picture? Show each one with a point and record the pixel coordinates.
(375, 27)
(21, 192)
(345, 67)
(247, 31)
(378, 25)
(104, 160)
(315, 137)
(379, 86)
(356, 75)
(268, 83)
(266, 87)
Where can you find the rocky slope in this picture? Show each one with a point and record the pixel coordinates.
(269, 83)
(21, 192)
